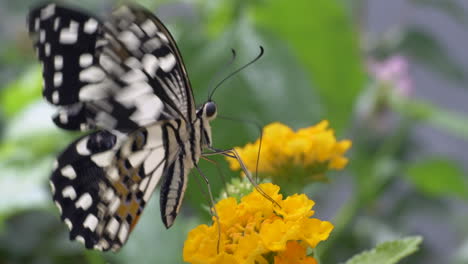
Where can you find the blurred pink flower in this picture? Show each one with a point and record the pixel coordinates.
(395, 72)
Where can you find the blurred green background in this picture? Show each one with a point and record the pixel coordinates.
(390, 75)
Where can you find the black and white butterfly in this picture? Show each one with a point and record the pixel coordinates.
(124, 81)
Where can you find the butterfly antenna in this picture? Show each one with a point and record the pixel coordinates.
(237, 71)
(220, 71)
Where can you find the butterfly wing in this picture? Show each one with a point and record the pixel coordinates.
(103, 181)
(126, 75)
(121, 76)
(154, 51)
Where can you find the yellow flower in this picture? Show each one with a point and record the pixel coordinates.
(313, 150)
(294, 253)
(255, 230)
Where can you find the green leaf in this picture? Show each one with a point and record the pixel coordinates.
(388, 252)
(20, 93)
(438, 177)
(452, 8)
(24, 187)
(424, 48)
(450, 122)
(326, 44)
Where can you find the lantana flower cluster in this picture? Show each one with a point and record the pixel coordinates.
(314, 150)
(256, 230)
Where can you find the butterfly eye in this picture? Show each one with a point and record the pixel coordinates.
(210, 109)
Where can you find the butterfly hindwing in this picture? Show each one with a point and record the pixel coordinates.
(102, 183)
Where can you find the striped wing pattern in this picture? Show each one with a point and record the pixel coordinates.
(125, 80)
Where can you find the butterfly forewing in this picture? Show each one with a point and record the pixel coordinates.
(154, 48)
(124, 78)
(121, 76)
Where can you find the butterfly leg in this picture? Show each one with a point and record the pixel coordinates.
(223, 178)
(232, 153)
(212, 203)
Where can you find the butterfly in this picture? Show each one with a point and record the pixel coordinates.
(123, 81)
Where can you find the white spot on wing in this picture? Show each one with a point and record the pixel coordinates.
(148, 107)
(42, 36)
(90, 26)
(91, 74)
(107, 62)
(128, 95)
(55, 97)
(123, 233)
(69, 192)
(133, 63)
(63, 116)
(108, 194)
(163, 37)
(167, 63)
(112, 227)
(150, 64)
(103, 244)
(82, 148)
(80, 239)
(58, 62)
(47, 49)
(69, 35)
(134, 76)
(137, 158)
(114, 205)
(94, 91)
(149, 27)
(37, 24)
(113, 174)
(86, 60)
(68, 172)
(103, 159)
(84, 201)
(48, 11)
(91, 222)
(68, 223)
(129, 39)
(56, 23)
(151, 44)
(58, 79)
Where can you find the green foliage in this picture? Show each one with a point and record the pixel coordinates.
(426, 49)
(388, 252)
(326, 45)
(438, 177)
(453, 123)
(20, 93)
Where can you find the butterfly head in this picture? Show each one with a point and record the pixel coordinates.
(208, 111)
